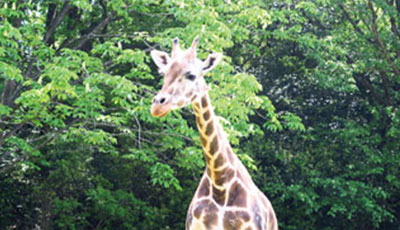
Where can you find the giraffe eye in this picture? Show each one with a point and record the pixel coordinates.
(191, 77)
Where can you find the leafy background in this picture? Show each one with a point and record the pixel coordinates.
(309, 93)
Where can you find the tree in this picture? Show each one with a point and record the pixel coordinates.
(334, 64)
(77, 84)
(309, 91)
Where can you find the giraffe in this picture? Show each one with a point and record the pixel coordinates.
(226, 198)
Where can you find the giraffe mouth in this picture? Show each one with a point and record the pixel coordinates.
(160, 111)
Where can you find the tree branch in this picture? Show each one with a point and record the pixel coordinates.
(367, 83)
(7, 95)
(103, 23)
(353, 23)
(56, 22)
(394, 28)
(379, 41)
(11, 133)
(386, 86)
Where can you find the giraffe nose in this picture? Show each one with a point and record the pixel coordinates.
(160, 99)
(161, 105)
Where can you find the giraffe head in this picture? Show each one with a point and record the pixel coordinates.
(183, 77)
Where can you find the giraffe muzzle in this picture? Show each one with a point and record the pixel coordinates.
(161, 105)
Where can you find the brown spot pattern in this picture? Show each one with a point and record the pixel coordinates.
(204, 102)
(210, 219)
(219, 161)
(204, 206)
(213, 146)
(210, 128)
(204, 188)
(173, 73)
(245, 216)
(231, 221)
(206, 115)
(198, 210)
(218, 195)
(237, 195)
(171, 80)
(223, 176)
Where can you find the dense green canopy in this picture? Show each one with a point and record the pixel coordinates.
(308, 91)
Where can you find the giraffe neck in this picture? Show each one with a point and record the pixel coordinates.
(222, 163)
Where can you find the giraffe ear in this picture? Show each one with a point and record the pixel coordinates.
(160, 58)
(211, 61)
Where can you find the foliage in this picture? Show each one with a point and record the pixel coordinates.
(308, 92)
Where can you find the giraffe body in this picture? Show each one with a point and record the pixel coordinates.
(226, 198)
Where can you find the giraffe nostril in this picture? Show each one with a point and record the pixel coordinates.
(162, 100)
